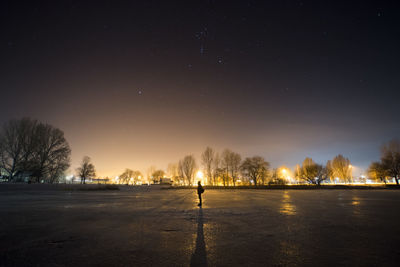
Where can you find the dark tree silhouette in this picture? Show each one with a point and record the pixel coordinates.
(51, 153)
(207, 159)
(311, 172)
(226, 165)
(125, 177)
(157, 175)
(377, 171)
(254, 167)
(16, 145)
(129, 176)
(188, 167)
(216, 167)
(40, 149)
(390, 158)
(235, 160)
(231, 163)
(86, 170)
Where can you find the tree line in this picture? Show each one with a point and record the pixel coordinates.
(228, 168)
(33, 151)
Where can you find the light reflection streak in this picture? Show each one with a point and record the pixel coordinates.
(356, 202)
(287, 207)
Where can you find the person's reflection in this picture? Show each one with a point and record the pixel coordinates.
(199, 257)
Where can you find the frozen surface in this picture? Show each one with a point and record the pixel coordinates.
(152, 227)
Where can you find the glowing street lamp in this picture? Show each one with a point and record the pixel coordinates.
(285, 174)
(199, 175)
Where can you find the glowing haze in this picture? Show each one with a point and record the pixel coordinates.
(141, 84)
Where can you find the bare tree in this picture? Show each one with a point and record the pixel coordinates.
(231, 163)
(390, 158)
(181, 172)
(157, 175)
(219, 175)
(173, 172)
(235, 160)
(311, 172)
(321, 174)
(254, 168)
(14, 148)
(29, 146)
(137, 176)
(207, 159)
(216, 166)
(150, 172)
(126, 176)
(51, 151)
(264, 176)
(188, 168)
(340, 167)
(226, 165)
(378, 172)
(57, 171)
(86, 170)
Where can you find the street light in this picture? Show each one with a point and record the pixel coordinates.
(199, 175)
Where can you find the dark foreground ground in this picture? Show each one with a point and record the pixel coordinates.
(152, 227)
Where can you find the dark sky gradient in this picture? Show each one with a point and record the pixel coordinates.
(143, 83)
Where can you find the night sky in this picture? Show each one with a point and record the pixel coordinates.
(141, 83)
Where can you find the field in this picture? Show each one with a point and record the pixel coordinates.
(147, 226)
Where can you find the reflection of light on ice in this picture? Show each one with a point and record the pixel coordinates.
(287, 207)
(356, 201)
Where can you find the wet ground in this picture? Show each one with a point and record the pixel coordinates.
(150, 227)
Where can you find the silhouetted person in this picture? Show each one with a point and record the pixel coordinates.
(200, 190)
